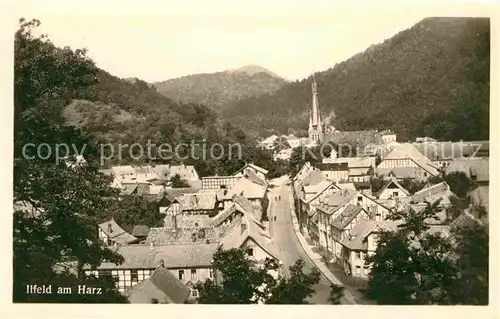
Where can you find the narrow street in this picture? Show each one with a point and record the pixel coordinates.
(283, 235)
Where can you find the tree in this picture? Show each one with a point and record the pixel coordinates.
(411, 185)
(472, 250)
(178, 182)
(376, 183)
(240, 280)
(459, 183)
(410, 265)
(336, 294)
(57, 203)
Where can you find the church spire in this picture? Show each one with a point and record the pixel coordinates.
(315, 124)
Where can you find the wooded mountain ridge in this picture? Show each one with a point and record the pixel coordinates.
(218, 89)
(431, 79)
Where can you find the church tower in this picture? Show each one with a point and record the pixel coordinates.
(315, 124)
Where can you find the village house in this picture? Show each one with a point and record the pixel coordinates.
(392, 190)
(170, 195)
(215, 183)
(341, 225)
(333, 205)
(293, 140)
(284, 154)
(360, 168)
(304, 171)
(189, 263)
(161, 287)
(110, 233)
(260, 172)
(247, 234)
(314, 177)
(360, 242)
(388, 136)
(205, 203)
(268, 143)
(405, 161)
(239, 206)
(338, 173)
(253, 190)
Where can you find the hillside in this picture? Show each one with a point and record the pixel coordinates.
(116, 111)
(218, 89)
(431, 79)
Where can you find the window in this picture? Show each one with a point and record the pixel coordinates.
(193, 274)
(358, 270)
(425, 174)
(194, 292)
(250, 251)
(210, 273)
(134, 275)
(395, 194)
(358, 255)
(360, 198)
(109, 242)
(181, 274)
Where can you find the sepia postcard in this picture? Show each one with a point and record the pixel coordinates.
(244, 153)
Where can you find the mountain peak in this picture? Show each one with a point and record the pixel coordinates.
(252, 69)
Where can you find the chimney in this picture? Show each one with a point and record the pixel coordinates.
(110, 229)
(162, 263)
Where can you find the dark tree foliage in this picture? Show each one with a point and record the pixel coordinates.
(178, 182)
(239, 280)
(336, 294)
(413, 266)
(459, 183)
(473, 251)
(410, 266)
(68, 199)
(377, 183)
(131, 211)
(429, 80)
(411, 185)
(218, 89)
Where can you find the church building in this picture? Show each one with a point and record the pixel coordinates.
(316, 127)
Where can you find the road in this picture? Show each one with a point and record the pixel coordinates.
(284, 236)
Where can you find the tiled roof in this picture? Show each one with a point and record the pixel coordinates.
(407, 150)
(359, 171)
(303, 172)
(362, 185)
(250, 175)
(174, 256)
(362, 138)
(433, 193)
(222, 216)
(314, 177)
(244, 228)
(162, 285)
(438, 151)
(140, 231)
(116, 233)
(355, 162)
(197, 201)
(349, 213)
(332, 167)
(169, 236)
(246, 188)
(255, 167)
(312, 191)
(332, 203)
(172, 193)
(473, 166)
(356, 239)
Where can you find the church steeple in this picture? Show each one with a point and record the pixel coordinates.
(315, 124)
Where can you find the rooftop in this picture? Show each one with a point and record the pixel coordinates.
(162, 285)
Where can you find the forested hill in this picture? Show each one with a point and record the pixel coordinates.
(431, 79)
(218, 89)
(115, 110)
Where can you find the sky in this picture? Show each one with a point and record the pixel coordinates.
(159, 40)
